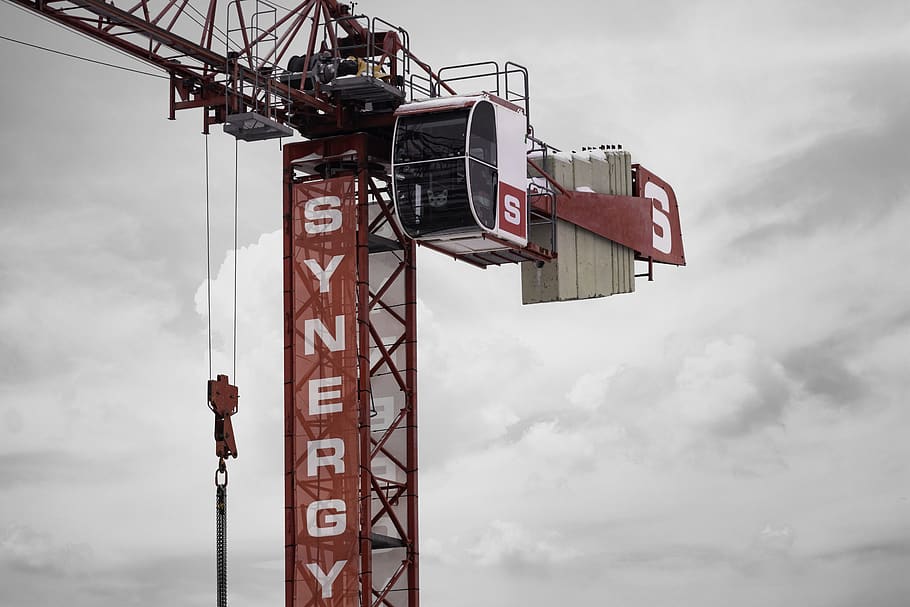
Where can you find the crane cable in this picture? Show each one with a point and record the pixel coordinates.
(236, 197)
(81, 58)
(47, 19)
(220, 487)
(208, 254)
(221, 474)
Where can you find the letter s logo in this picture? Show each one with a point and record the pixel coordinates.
(511, 208)
(323, 209)
(660, 216)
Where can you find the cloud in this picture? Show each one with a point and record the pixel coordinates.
(41, 570)
(23, 548)
(884, 550)
(851, 177)
(825, 372)
(709, 397)
(520, 550)
(775, 539)
(31, 468)
(259, 302)
(639, 445)
(731, 389)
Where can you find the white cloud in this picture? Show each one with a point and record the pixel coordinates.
(775, 539)
(730, 389)
(732, 432)
(509, 543)
(22, 547)
(259, 304)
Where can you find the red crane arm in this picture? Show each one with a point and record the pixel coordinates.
(243, 74)
(198, 72)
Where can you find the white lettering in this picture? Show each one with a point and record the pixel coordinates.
(333, 459)
(512, 209)
(317, 395)
(335, 523)
(326, 579)
(322, 209)
(323, 274)
(313, 327)
(662, 236)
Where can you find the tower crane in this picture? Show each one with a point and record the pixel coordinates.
(393, 157)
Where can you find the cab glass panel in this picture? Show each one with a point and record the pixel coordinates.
(483, 133)
(484, 190)
(432, 198)
(431, 136)
(445, 175)
(484, 177)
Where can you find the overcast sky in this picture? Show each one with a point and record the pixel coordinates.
(733, 433)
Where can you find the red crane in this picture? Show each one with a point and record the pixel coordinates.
(394, 158)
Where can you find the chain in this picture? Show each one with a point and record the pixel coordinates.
(221, 531)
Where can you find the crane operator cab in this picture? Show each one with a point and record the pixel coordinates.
(459, 173)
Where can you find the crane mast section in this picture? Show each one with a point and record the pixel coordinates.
(350, 381)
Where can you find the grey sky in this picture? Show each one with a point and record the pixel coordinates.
(732, 433)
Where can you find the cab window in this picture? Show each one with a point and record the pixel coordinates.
(431, 137)
(433, 197)
(482, 144)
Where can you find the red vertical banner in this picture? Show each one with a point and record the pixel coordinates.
(322, 444)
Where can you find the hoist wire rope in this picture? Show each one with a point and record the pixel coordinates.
(220, 35)
(87, 59)
(208, 254)
(102, 44)
(47, 19)
(221, 528)
(236, 198)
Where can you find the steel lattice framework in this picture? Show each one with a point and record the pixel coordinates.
(228, 58)
(381, 292)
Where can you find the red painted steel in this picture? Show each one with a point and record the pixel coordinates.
(324, 403)
(666, 232)
(163, 33)
(223, 399)
(648, 223)
(628, 220)
(382, 288)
